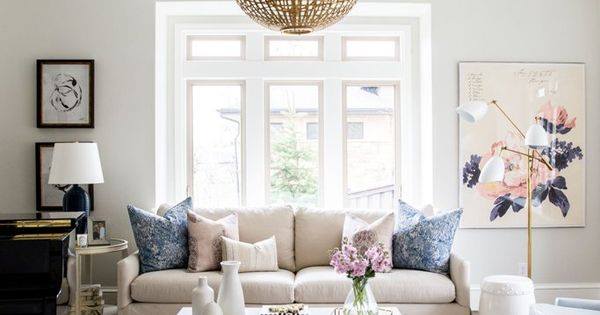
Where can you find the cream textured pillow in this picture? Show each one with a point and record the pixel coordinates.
(260, 256)
(204, 239)
(364, 235)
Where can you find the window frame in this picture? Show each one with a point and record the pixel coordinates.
(190, 84)
(395, 39)
(267, 122)
(269, 38)
(396, 84)
(192, 37)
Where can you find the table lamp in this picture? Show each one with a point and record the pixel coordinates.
(75, 164)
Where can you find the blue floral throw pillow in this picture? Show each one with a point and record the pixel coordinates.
(162, 241)
(407, 216)
(425, 243)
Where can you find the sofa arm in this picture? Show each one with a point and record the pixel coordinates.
(459, 273)
(128, 269)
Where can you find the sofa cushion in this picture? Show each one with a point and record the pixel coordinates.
(320, 230)
(176, 285)
(257, 224)
(323, 285)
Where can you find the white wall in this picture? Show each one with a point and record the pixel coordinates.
(119, 35)
(513, 30)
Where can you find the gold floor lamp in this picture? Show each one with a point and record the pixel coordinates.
(493, 170)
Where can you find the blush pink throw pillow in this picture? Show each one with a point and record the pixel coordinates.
(204, 240)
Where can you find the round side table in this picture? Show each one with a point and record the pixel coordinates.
(501, 295)
(115, 245)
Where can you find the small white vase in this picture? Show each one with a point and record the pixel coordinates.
(231, 296)
(212, 308)
(201, 296)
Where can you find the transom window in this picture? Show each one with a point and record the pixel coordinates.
(367, 48)
(216, 47)
(293, 48)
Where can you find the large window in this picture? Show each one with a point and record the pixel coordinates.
(288, 120)
(370, 120)
(294, 160)
(216, 142)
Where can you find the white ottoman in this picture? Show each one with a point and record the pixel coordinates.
(503, 295)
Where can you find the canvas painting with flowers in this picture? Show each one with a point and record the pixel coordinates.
(551, 95)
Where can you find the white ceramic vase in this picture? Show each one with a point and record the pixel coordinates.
(231, 296)
(212, 308)
(201, 296)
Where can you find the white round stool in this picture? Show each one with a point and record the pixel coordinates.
(506, 295)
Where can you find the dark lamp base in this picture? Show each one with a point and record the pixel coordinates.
(77, 199)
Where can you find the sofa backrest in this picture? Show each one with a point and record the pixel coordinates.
(317, 231)
(257, 224)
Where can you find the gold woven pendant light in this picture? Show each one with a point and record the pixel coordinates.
(296, 16)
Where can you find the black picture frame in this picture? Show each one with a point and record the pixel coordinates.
(41, 121)
(41, 204)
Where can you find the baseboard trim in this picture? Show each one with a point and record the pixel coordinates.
(547, 292)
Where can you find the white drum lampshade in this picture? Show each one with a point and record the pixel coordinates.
(492, 171)
(536, 137)
(75, 163)
(472, 111)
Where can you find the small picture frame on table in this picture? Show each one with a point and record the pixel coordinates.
(97, 232)
(49, 197)
(65, 93)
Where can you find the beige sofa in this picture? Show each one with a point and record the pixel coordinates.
(304, 238)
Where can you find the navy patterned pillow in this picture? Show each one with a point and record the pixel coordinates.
(162, 241)
(426, 242)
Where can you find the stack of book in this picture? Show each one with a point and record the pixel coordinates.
(91, 300)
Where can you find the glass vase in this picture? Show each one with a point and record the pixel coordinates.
(360, 300)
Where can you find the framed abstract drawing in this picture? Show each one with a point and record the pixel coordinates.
(50, 197)
(549, 94)
(65, 93)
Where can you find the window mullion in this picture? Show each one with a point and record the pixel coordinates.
(333, 172)
(255, 143)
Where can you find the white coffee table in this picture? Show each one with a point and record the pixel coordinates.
(312, 311)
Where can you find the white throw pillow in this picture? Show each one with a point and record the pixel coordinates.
(260, 256)
(364, 235)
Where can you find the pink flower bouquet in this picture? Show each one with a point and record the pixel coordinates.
(360, 266)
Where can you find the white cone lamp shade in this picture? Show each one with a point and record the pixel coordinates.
(536, 137)
(492, 171)
(75, 163)
(472, 111)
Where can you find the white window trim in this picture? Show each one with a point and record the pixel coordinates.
(397, 132)
(192, 38)
(395, 39)
(318, 39)
(190, 131)
(173, 19)
(267, 110)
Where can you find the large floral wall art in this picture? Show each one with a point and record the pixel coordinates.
(554, 96)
